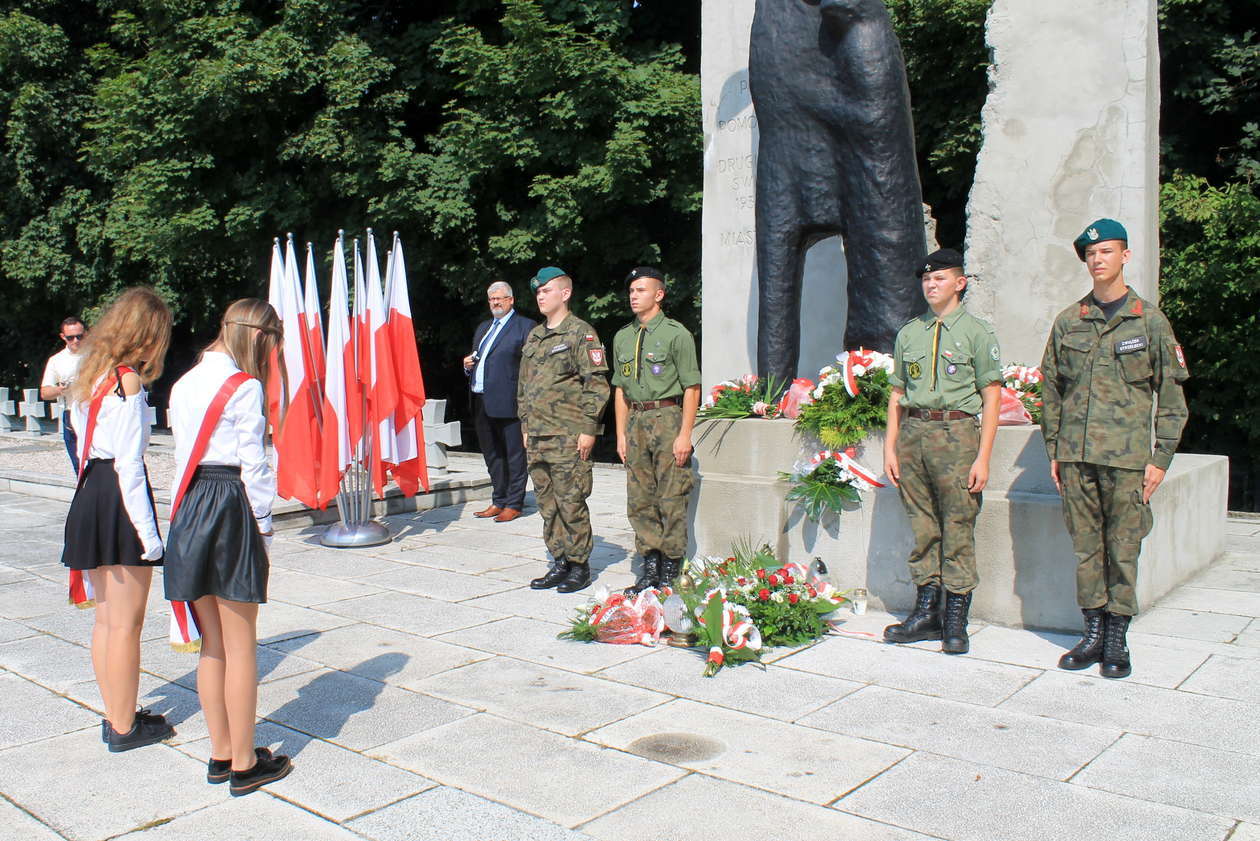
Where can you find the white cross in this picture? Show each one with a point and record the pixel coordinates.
(438, 435)
(8, 412)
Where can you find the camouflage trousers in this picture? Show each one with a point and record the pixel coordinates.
(657, 489)
(935, 458)
(1107, 520)
(562, 482)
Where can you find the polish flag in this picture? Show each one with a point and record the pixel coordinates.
(313, 321)
(276, 397)
(383, 385)
(297, 441)
(360, 368)
(410, 469)
(340, 387)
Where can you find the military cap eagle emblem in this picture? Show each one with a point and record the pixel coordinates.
(1092, 233)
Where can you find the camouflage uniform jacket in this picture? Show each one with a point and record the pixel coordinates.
(563, 384)
(1102, 379)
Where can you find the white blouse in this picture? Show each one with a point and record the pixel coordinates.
(237, 440)
(122, 433)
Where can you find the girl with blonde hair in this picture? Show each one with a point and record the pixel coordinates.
(111, 536)
(217, 554)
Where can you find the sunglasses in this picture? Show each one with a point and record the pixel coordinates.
(75, 338)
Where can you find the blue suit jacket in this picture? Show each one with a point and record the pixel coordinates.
(502, 364)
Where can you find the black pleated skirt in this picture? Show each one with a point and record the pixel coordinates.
(214, 547)
(98, 530)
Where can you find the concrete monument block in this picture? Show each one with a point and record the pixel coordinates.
(1071, 134)
(1024, 555)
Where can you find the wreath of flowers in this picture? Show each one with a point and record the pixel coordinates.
(1024, 382)
(749, 396)
(850, 400)
(827, 480)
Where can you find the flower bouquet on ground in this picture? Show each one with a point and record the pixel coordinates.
(1023, 383)
(619, 619)
(850, 400)
(748, 397)
(827, 481)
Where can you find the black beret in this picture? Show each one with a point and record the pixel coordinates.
(645, 271)
(945, 258)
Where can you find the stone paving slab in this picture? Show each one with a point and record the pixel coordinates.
(1206, 600)
(330, 781)
(564, 780)
(535, 641)
(33, 597)
(436, 583)
(349, 710)
(159, 659)
(1147, 710)
(466, 560)
(448, 814)
(772, 691)
(914, 670)
(95, 794)
(543, 697)
(412, 614)
(1224, 576)
(982, 803)
(277, 621)
(258, 817)
(704, 807)
(20, 826)
(32, 713)
(1200, 625)
(10, 631)
(1015, 741)
(1226, 677)
(1203, 779)
(792, 761)
(333, 563)
(48, 661)
(307, 590)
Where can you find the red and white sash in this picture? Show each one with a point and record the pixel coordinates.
(185, 629)
(81, 585)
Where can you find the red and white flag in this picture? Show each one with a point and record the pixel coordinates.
(276, 398)
(312, 317)
(383, 388)
(410, 468)
(340, 386)
(297, 440)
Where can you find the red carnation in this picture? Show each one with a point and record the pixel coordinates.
(761, 573)
(774, 580)
(793, 598)
(787, 579)
(763, 594)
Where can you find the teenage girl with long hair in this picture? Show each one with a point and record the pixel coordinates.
(111, 531)
(217, 556)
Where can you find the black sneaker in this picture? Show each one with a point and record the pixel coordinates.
(267, 769)
(145, 713)
(218, 771)
(147, 730)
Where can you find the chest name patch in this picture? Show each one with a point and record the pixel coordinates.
(557, 349)
(1130, 345)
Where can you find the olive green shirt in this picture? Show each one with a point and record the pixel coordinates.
(660, 364)
(563, 385)
(1102, 380)
(946, 370)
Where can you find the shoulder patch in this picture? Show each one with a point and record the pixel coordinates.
(1181, 356)
(1084, 310)
(994, 353)
(1137, 307)
(596, 354)
(590, 337)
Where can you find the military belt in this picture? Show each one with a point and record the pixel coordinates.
(653, 404)
(938, 414)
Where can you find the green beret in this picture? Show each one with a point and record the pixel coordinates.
(545, 276)
(1101, 231)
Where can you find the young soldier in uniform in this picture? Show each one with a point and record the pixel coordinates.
(947, 371)
(657, 381)
(1111, 358)
(560, 399)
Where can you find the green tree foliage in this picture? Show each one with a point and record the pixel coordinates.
(166, 141)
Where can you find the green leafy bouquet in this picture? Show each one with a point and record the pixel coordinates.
(748, 397)
(850, 400)
(827, 481)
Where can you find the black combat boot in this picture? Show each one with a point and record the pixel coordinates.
(649, 576)
(670, 567)
(954, 635)
(1115, 655)
(1089, 650)
(555, 574)
(924, 623)
(578, 578)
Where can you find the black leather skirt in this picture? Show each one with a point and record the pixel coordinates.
(214, 547)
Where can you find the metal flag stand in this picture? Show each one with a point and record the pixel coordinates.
(354, 499)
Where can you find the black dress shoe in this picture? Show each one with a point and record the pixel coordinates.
(578, 578)
(267, 769)
(147, 730)
(924, 622)
(145, 713)
(555, 574)
(1089, 650)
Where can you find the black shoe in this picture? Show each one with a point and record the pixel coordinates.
(1089, 650)
(555, 574)
(145, 713)
(220, 770)
(578, 578)
(954, 633)
(650, 576)
(924, 622)
(147, 730)
(1115, 657)
(267, 769)
(670, 567)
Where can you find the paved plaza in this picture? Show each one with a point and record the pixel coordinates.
(422, 693)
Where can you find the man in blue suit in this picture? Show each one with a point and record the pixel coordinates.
(492, 369)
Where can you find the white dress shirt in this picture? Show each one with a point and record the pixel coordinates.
(479, 375)
(237, 440)
(122, 433)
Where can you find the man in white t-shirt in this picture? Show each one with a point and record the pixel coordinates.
(60, 372)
